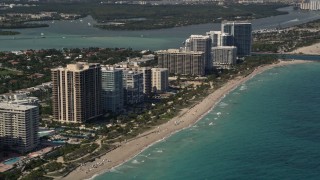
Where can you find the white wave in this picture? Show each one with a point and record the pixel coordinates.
(143, 155)
(275, 73)
(243, 87)
(291, 21)
(215, 118)
(92, 178)
(219, 113)
(223, 104)
(135, 162)
(210, 124)
(159, 151)
(114, 170)
(127, 166)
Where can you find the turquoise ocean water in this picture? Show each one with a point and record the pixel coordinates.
(268, 128)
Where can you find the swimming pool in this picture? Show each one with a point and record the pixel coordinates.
(11, 161)
(45, 133)
(58, 141)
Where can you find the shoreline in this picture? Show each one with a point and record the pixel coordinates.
(313, 49)
(185, 119)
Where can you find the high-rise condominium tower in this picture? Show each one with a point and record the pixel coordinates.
(182, 62)
(112, 89)
(160, 80)
(133, 87)
(220, 39)
(241, 32)
(76, 92)
(19, 126)
(200, 43)
(224, 56)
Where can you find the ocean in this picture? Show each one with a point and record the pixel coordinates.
(267, 128)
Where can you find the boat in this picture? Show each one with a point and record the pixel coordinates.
(89, 24)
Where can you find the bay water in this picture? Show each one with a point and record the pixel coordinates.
(267, 128)
(81, 33)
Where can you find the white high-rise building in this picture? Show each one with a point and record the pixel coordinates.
(200, 43)
(224, 56)
(111, 89)
(133, 87)
(160, 80)
(19, 126)
(220, 39)
(310, 5)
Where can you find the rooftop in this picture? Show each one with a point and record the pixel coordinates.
(9, 106)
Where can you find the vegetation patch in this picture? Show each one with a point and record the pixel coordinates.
(138, 17)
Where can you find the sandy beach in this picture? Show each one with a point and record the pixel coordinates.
(187, 118)
(312, 50)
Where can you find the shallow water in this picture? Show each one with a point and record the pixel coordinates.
(270, 130)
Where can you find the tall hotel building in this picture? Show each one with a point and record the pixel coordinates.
(146, 72)
(203, 44)
(224, 56)
(220, 39)
(182, 62)
(112, 89)
(76, 92)
(310, 4)
(242, 38)
(19, 126)
(160, 80)
(133, 87)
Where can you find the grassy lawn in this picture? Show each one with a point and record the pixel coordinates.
(4, 72)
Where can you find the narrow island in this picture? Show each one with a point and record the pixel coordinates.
(134, 16)
(8, 33)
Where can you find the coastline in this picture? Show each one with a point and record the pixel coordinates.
(313, 49)
(185, 119)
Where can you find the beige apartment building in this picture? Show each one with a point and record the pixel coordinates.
(160, 80)
(19, 126)
(76, 92)
(182, 62)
